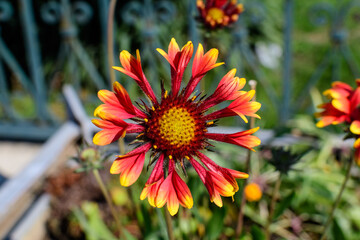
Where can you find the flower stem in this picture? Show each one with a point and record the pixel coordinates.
(337, 201)
(169, 225)
(247, 168)
(110, 38)
(272, 207)
(109, 201)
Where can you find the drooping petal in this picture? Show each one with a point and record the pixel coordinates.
(222, 186)
(110, 133)
(172, 201)
(237, 174)
(182, 191)
(163, 192)
(227, 173)
(215, 183)
(108, 136)
(216, 198)
(129, 166)
(154, 181)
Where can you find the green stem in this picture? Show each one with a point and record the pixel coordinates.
(337, 201)
(240, 221)
(121, 144)
(169, 225)
(110, 38)
(108, 200)
(272, 207)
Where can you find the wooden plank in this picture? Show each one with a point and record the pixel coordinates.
(32, 224)
(18, 193)
(77, 112)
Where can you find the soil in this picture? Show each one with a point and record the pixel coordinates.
(69, 190)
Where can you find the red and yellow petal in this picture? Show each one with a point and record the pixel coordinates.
(237, 174)
(153, 192)
(163, 192)
(221, 185)
(355, 100)
(216, 198)
(242, 106)
(338, 84)
(357, 156)
(336, 93)
(182, 191)
(126, 72)
(242, 139)
(108, 97)
(173, 48)
(125, 59)
(172, 201)
(341, 104)
(325, 121)
(111, 112)
(204, 63)
(130, 175)
(357, 143)
(129, 166)
(108, 136)
(123, 97)
(355, 127)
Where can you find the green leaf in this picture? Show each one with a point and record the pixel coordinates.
(216, 223)
(257, 233)
(336, 231)
(283, 205)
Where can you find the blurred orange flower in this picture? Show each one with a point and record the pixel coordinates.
(252, 192)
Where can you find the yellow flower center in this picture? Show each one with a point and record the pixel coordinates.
(216, 14)
(177, 126)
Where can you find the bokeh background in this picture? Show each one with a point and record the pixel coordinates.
(54, 58)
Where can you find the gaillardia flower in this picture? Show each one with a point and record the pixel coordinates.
(343, 108)
(219, 13)
(174, 127)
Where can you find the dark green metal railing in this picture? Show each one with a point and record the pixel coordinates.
(144, 19)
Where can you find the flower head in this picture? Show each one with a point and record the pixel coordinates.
(343, 108)
(219, 13)
(174, 127)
